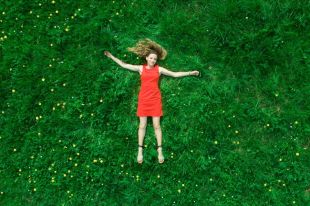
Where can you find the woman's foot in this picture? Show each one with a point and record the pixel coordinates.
(160, 154)
(140, 154)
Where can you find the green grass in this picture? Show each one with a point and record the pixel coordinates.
(238, 135)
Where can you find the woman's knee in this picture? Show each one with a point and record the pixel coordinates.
(143, 122)
(156, 122)
(156, 126)
(142, 126)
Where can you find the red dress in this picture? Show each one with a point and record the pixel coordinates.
(149, 99)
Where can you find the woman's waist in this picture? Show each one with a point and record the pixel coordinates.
(149, 92)
(149, 97)
(149, 87)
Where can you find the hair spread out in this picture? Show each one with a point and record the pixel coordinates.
(146, 46)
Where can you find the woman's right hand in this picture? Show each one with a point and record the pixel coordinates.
(108, 54)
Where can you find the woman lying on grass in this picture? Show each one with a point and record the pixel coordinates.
(149, 99)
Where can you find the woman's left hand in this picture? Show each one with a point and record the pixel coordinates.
(194, 73)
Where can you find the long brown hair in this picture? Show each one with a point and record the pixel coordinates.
(146, 46)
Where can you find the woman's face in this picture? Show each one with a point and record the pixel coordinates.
(151, 59)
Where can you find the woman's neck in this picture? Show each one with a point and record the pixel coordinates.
(150, 67)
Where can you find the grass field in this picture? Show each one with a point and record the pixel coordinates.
(237, 135)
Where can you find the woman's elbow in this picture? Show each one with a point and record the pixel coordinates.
(175, 75)
(123, 65)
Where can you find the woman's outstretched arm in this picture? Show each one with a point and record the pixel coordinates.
(178, 74)
(131, 67)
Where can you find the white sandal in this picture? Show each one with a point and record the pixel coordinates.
(140, 156)
(161, 158)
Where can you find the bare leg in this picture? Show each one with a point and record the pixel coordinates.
(141, 134)
(142, 127)
(158, 134)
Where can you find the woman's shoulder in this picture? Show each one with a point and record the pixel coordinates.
(159, 69)
(141, 68)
